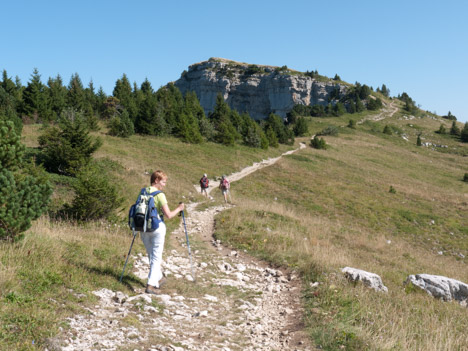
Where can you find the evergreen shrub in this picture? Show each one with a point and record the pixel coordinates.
(330, 130)
(95, 197)
(68, 148)
(24, 188)
(121, 125)
(318, 143)
(301, 128)
(387, 130)
(418, 141)
(464, 133)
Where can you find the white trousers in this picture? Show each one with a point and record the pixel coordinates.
(154, 244)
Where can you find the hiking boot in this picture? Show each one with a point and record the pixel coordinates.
(162, 282)
(151, 290)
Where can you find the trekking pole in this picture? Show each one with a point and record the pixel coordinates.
(188, 245)
(128, 255)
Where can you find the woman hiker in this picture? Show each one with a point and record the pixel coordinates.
(154, 241)
(204, 184)
(224, 185)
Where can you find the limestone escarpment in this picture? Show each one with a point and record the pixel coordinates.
(257, 90)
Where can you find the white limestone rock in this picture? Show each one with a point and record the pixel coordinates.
(258, 94)
(369, 279)
(440, 287)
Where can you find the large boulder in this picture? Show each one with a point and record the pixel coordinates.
(371, 280)
(440, 287)
(258, 93)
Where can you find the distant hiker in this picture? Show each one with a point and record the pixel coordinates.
(224, 185)
(154, 241)
(204, 183)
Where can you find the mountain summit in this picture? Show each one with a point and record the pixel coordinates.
(256, 89)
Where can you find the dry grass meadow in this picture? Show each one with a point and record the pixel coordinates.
(321, 210)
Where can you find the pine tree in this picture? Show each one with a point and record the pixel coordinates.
(8, 94)
(318, 143)
(359, 105)
(207, 129)
(385, 91)
(192, 103)
(442, 130)
(24, 189)
(464, 133)
(90, 110)
(418, 140)
(9, 102)
(220, 112)
(110, 108)
(271, 137)
(57, 95)
(338, 109)
(170, 99)
(35, 98)
(283, 134)
(146, 122)
(226, 133)
(101, 97)
(374, 104)
(387, 130)
(121, 125)
(252, 139)
(188, 123)
(95, 196)
(301, 128)
(75, 95)
(187, 128)
(454, 130)
(69, 148)
(123, 92)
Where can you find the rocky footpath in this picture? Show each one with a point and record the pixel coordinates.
(259, 91)
(235, 303)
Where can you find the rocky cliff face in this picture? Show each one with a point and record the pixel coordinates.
(257, 90)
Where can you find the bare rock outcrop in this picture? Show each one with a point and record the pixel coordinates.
(371, 280)
(255, 89)
(444, 288)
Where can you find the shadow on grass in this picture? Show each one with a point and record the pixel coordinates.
(128, 280)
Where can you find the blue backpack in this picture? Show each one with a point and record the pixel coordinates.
(143, 215)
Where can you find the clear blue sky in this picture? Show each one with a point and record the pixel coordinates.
(413, 46)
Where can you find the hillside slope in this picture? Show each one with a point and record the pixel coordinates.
(309, 215)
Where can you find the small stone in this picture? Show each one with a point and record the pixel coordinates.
(240, 267)
(120, 297)
(210, 298)
(132, 335)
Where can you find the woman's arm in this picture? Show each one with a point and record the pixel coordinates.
(171, 214)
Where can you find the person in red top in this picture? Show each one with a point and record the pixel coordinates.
(224, 186)
(204, 184)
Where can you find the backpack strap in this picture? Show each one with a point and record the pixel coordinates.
(154, 194)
